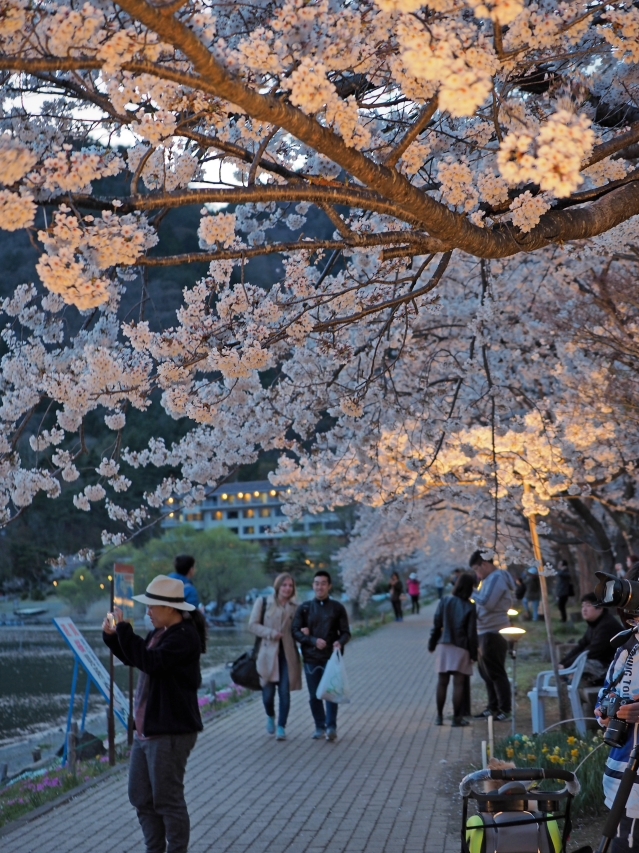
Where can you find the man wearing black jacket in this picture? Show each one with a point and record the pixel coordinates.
(602, 627)
(320, 626)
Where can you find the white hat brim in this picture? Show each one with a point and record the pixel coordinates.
(160, 601)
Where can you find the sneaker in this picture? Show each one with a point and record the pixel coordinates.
(485, 713)
(270, 725)
(331, 734)
(439, 721)
(458, 722)
(281, 733)
(503, 716)
(319, 734)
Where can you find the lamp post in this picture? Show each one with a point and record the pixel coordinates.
(512, 634)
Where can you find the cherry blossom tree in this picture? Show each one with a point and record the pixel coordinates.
(470, 160)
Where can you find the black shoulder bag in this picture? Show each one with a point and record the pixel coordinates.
(244, 669)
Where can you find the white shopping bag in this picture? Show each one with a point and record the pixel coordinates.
(334, 686)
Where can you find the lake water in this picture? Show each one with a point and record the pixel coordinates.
(36, 670)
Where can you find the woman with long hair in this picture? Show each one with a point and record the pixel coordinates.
(166, 710)
(278, 661)
(454, 635)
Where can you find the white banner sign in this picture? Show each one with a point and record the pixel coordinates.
(93, 665)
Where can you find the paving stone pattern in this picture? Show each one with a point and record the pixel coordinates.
(381, 788)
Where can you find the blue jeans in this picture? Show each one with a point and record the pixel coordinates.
(156, 790)
(284, 690)
(324, 719)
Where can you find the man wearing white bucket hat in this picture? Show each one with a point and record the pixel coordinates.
(166, 711)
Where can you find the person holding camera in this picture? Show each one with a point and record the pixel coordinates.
(617, 710)
(166, 711)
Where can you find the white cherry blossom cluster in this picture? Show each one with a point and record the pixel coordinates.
(461, 61)
(73, 171)
(17, 210)
(527, 210)
(17, 159)
(552, 156)
(216, 229)
(457, 184)
(501, 11)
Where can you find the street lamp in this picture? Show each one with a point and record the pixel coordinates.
(512, 634)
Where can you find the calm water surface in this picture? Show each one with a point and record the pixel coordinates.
(36, 670)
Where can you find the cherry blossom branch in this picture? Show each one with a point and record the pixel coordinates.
(354, 240)
(391, 303)
(420, 125)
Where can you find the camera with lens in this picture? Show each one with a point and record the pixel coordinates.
(617, 730)
(612, 591)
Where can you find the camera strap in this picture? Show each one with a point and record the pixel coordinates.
(628, 658)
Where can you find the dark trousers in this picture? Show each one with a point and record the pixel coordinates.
(620, 842)
(397, 608)
(156, 790)
(325, 718)
(561, 604)
(414, 604)
(284, 690)
(492, 668)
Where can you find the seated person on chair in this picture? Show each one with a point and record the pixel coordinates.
(602, 627)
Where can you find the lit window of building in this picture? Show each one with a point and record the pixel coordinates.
(249, 531)
(219, 515)
(249, 513)
(265, 513)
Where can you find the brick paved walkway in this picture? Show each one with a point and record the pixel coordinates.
(389, 784)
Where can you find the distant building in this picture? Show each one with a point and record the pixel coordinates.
(252, 511)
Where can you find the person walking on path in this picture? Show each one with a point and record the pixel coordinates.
(185, 571)
(166, 711)
(493, 600)
(563, 588)
(533, 593)
(413, 591)
(440, 584)
(320, 627)
(278, 661)
(396, 592)
(454, 635)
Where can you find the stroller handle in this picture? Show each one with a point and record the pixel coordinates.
(519, 774)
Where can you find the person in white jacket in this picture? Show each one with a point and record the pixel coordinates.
(493, 599)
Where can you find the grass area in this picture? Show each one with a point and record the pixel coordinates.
(533, 654)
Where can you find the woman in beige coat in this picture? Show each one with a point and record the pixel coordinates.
(278, 661)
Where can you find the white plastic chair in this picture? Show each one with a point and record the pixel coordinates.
(546, 688)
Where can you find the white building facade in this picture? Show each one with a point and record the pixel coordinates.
(253, 511)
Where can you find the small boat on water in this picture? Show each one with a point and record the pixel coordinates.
(30, 612)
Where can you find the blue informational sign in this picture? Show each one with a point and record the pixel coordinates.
(86, 658)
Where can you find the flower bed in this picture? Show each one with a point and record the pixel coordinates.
(37, 787)
(584, 756)
(230, 695)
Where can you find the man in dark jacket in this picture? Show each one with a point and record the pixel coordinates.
(320, 626)
(602, 627)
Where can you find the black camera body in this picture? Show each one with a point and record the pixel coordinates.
(616, 733)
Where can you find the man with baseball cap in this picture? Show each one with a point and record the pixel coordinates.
(166, 711)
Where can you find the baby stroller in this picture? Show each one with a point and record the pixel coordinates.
(512, 818)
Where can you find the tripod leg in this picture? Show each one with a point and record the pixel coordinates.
(619, 804)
